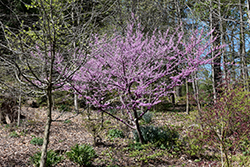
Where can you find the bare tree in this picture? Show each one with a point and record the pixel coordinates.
(56, 42)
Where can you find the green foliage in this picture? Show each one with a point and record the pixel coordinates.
(135, 146)
(37, 141)
(64, 107)
(42, 100)
(107, 122)
(244, 146)
(52, 158)
(95, 127)
(63, 100)
(67, 121)
(144, 152)
(82, 155)
(147, 117)
(163, 106)
(158, 135)
(194, 143)
(113, 111)
(243, 160)
(115, 133)
(225, 125)
(112, 166)
(110, 156)
(14, 134)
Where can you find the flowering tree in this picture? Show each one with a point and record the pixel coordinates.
(138, 69)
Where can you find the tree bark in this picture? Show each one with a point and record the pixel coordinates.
(47, 128)
(196, 93)
(248, 11)
(19, 106)
(49, 95)
(187, 100)
(76, 102)
(222, 38)
(243, 51)
(138, 129)
(216, 68)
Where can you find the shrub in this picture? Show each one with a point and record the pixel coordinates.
(193, 145)
(157, 135)
(81, 155)
(52, 158)
(115, 133)
(37, 141)
(147, 117)
(163, 106)
(227, 122)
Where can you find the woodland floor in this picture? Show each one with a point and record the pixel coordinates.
(16, 151)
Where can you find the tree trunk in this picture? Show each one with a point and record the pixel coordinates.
(19, 107)
(47, 128)
(222, 39)
(243, 51)
(212, 53)
(76, 102)
(196, 93)
(187, 100)
(173, 100)
(248, 11)
(216, 68)
(141, 139)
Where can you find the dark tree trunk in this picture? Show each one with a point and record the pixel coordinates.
(216, 64)
(141, 139)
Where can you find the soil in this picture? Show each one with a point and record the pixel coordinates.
(16, 150)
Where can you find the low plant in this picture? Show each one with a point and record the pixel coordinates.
(144, 152)
(194, 144)
(67, 121)
(64, 108)
(52, 158)
(82, 155)
(37, 141)
(158, 135)
(23, 133)
(163, 106)
(95, 127)
(244, 160)
(107, 122)
(7, 126)
(147, 117)
(14, 134)
(115, 133)
(135, 146)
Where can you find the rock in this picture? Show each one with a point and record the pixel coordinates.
(7, 119)
(32, 103)
(9, 110)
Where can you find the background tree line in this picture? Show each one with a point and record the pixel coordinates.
(51, 26)
(229, 19)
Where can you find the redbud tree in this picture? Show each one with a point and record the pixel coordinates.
(138, 69)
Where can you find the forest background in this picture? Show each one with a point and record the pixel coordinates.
(48, 27)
